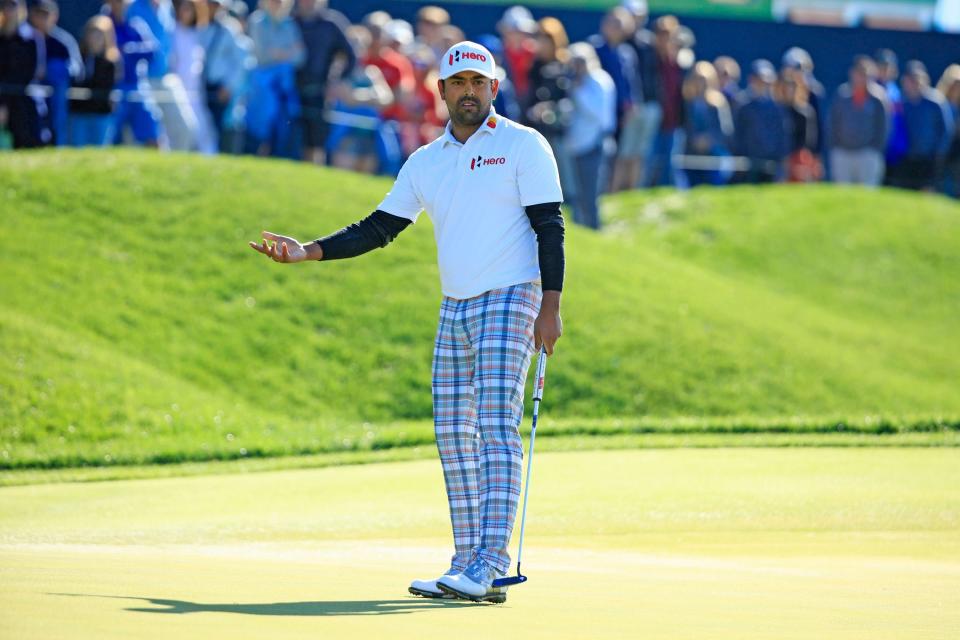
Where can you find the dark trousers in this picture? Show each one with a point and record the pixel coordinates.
(586, 168)
(24, 122)
(914, 172)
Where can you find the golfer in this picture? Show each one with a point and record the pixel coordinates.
(491, 188)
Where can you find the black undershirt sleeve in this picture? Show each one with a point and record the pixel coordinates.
(547, 223)
(376, 230)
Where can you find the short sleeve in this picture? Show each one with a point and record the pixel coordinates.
(537, 176)
(403, 199)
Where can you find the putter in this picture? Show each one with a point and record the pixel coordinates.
(537, 396)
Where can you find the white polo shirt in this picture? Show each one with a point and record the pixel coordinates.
(475, 193)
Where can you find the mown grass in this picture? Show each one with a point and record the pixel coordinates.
(137, 326)
(545, 443)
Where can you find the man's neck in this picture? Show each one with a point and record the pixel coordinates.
(463, 132)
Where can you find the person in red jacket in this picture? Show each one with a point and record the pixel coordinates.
(518, 28)
(395, 67)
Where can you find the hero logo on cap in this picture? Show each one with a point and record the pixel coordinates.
(467, 56)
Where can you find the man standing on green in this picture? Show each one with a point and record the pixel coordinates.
(491, 188)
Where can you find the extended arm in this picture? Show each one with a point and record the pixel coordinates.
(547, 223)
(376, 230)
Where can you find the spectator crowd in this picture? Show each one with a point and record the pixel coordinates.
(629, 107)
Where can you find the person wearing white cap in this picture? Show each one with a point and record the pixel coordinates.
(492, 190)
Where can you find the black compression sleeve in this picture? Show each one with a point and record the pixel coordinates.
(547, 223)
(376, 230)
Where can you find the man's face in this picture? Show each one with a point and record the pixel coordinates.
(11, 19)
(858, 77)
(468, 96)
(884, 72)
(611, 30)
(40, 20)
(428, 31)
(911, 87)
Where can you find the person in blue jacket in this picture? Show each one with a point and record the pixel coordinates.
(138, 47)
(760, 127)
(929, 125)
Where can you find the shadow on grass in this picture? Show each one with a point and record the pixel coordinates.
(313, 608)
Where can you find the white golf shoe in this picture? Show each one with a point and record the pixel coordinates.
(429, 589)
(474, 583)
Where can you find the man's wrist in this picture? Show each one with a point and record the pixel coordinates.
(314, 250)
(551, 300)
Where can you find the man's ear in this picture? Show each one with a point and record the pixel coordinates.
(495, 87)
(440, 87)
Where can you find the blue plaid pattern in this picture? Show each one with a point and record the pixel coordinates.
(480, 361)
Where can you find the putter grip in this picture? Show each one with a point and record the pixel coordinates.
(541, 372)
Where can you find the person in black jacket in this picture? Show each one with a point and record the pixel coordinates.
(18, 65)
(324, 34)
(91, 109)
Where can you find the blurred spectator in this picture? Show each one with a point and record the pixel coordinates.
(91, 119)
(423, 113)
(138, 47)
(159, 17)
(273, 102)
(276, 36)
(649, 111)
(858, 127)
(239, 11)
(619, 60)
(357, 140)
(172, 104)
(376, 18)
(728, 75)
(35, 28)
(395, 67)
(930, 129)
(949, 87)
(593, 121)
(708, 127)
(449, 36)
(399, 36)
(41, 125)
(61, 64)
(888, 72)
(670, 93)
(802, 164)
(517, 28)
(760, 130)
(797, 64)
(19, 57)
(227, 62)
(505, 103)
(549, 108)
(325, 38)
(187, 63)
(431, 21)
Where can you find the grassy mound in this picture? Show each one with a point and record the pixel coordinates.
(136, 324)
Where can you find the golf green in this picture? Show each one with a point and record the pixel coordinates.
(673, 543)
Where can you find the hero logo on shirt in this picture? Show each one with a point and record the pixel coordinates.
(466, 55)
(480, 161)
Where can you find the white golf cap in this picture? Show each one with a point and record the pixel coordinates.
(467, 56)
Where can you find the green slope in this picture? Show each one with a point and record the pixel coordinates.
(134, 312)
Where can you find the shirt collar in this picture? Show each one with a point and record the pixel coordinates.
(489, 126)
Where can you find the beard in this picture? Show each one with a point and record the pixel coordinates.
(467, 118)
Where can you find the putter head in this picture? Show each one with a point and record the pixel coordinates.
(509, 580)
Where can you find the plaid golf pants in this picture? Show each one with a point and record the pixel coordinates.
(480, 360)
